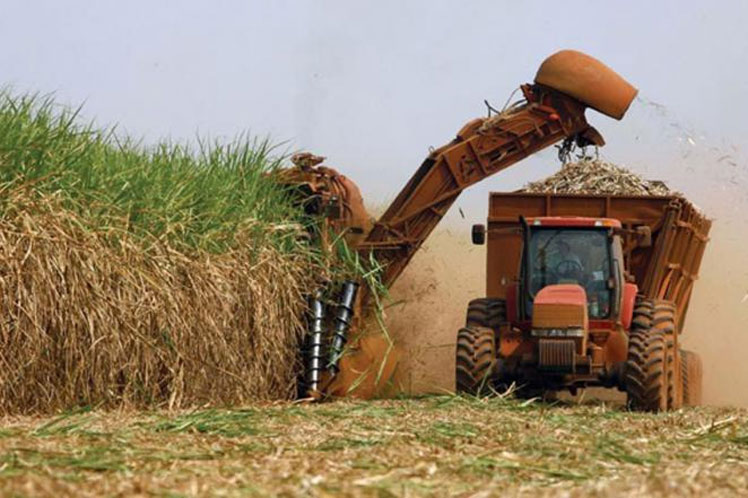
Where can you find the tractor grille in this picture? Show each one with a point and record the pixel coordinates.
(557, 354)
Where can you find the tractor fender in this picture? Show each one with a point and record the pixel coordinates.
(627, 305)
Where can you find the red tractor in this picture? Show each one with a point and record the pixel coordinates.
(586, 290)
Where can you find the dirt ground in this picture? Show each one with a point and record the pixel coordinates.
(429, 304)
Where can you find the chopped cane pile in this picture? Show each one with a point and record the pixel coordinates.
(595, 176)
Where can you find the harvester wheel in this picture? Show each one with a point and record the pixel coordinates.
(691, 375)
(486, 312)
(652, 361)
(476, 359)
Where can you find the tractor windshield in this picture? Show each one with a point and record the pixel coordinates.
(572, 256)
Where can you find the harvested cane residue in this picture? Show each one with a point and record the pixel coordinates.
(595, 176)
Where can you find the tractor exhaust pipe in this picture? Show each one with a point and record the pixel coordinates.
(314, 355)
(342, 325)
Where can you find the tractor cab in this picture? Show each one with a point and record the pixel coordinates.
(568, 304)
(581, 252)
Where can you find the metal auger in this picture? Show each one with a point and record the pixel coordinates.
(314, 351)
(343, 319)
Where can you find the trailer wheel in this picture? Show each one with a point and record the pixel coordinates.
(691, 376)
(663, 319)
(475, 360)
(674, 376)
(648, 363)
(486, 312)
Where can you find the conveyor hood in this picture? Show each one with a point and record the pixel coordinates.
(587, 80)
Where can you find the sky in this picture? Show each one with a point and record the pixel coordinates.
(373, 85)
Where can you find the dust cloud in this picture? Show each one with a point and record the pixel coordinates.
(717, 322)
(428, 305)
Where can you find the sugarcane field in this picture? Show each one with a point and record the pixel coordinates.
(373, 249)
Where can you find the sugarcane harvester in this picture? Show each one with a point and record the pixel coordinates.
(552, 110)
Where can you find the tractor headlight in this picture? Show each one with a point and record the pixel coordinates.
(574, 332)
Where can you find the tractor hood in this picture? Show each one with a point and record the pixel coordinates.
(587, 80)
(560, 306)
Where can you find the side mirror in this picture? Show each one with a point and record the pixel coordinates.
(479, 234)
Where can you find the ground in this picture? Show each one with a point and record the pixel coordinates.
(435, 445)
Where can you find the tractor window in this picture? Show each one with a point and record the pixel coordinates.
(572, 256)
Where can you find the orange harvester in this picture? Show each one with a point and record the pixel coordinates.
(553, 110)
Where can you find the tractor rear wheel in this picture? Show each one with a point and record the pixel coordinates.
(652, 362)
(475, 360)
(486, 312)
(691, 377)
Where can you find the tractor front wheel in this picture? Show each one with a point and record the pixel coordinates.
(486, 312)
(475, 360)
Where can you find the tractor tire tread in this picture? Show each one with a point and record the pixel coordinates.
(486, 312)
(475, 360)
(650, 366)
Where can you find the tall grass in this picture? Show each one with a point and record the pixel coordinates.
(193, 197)
(143, 276)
